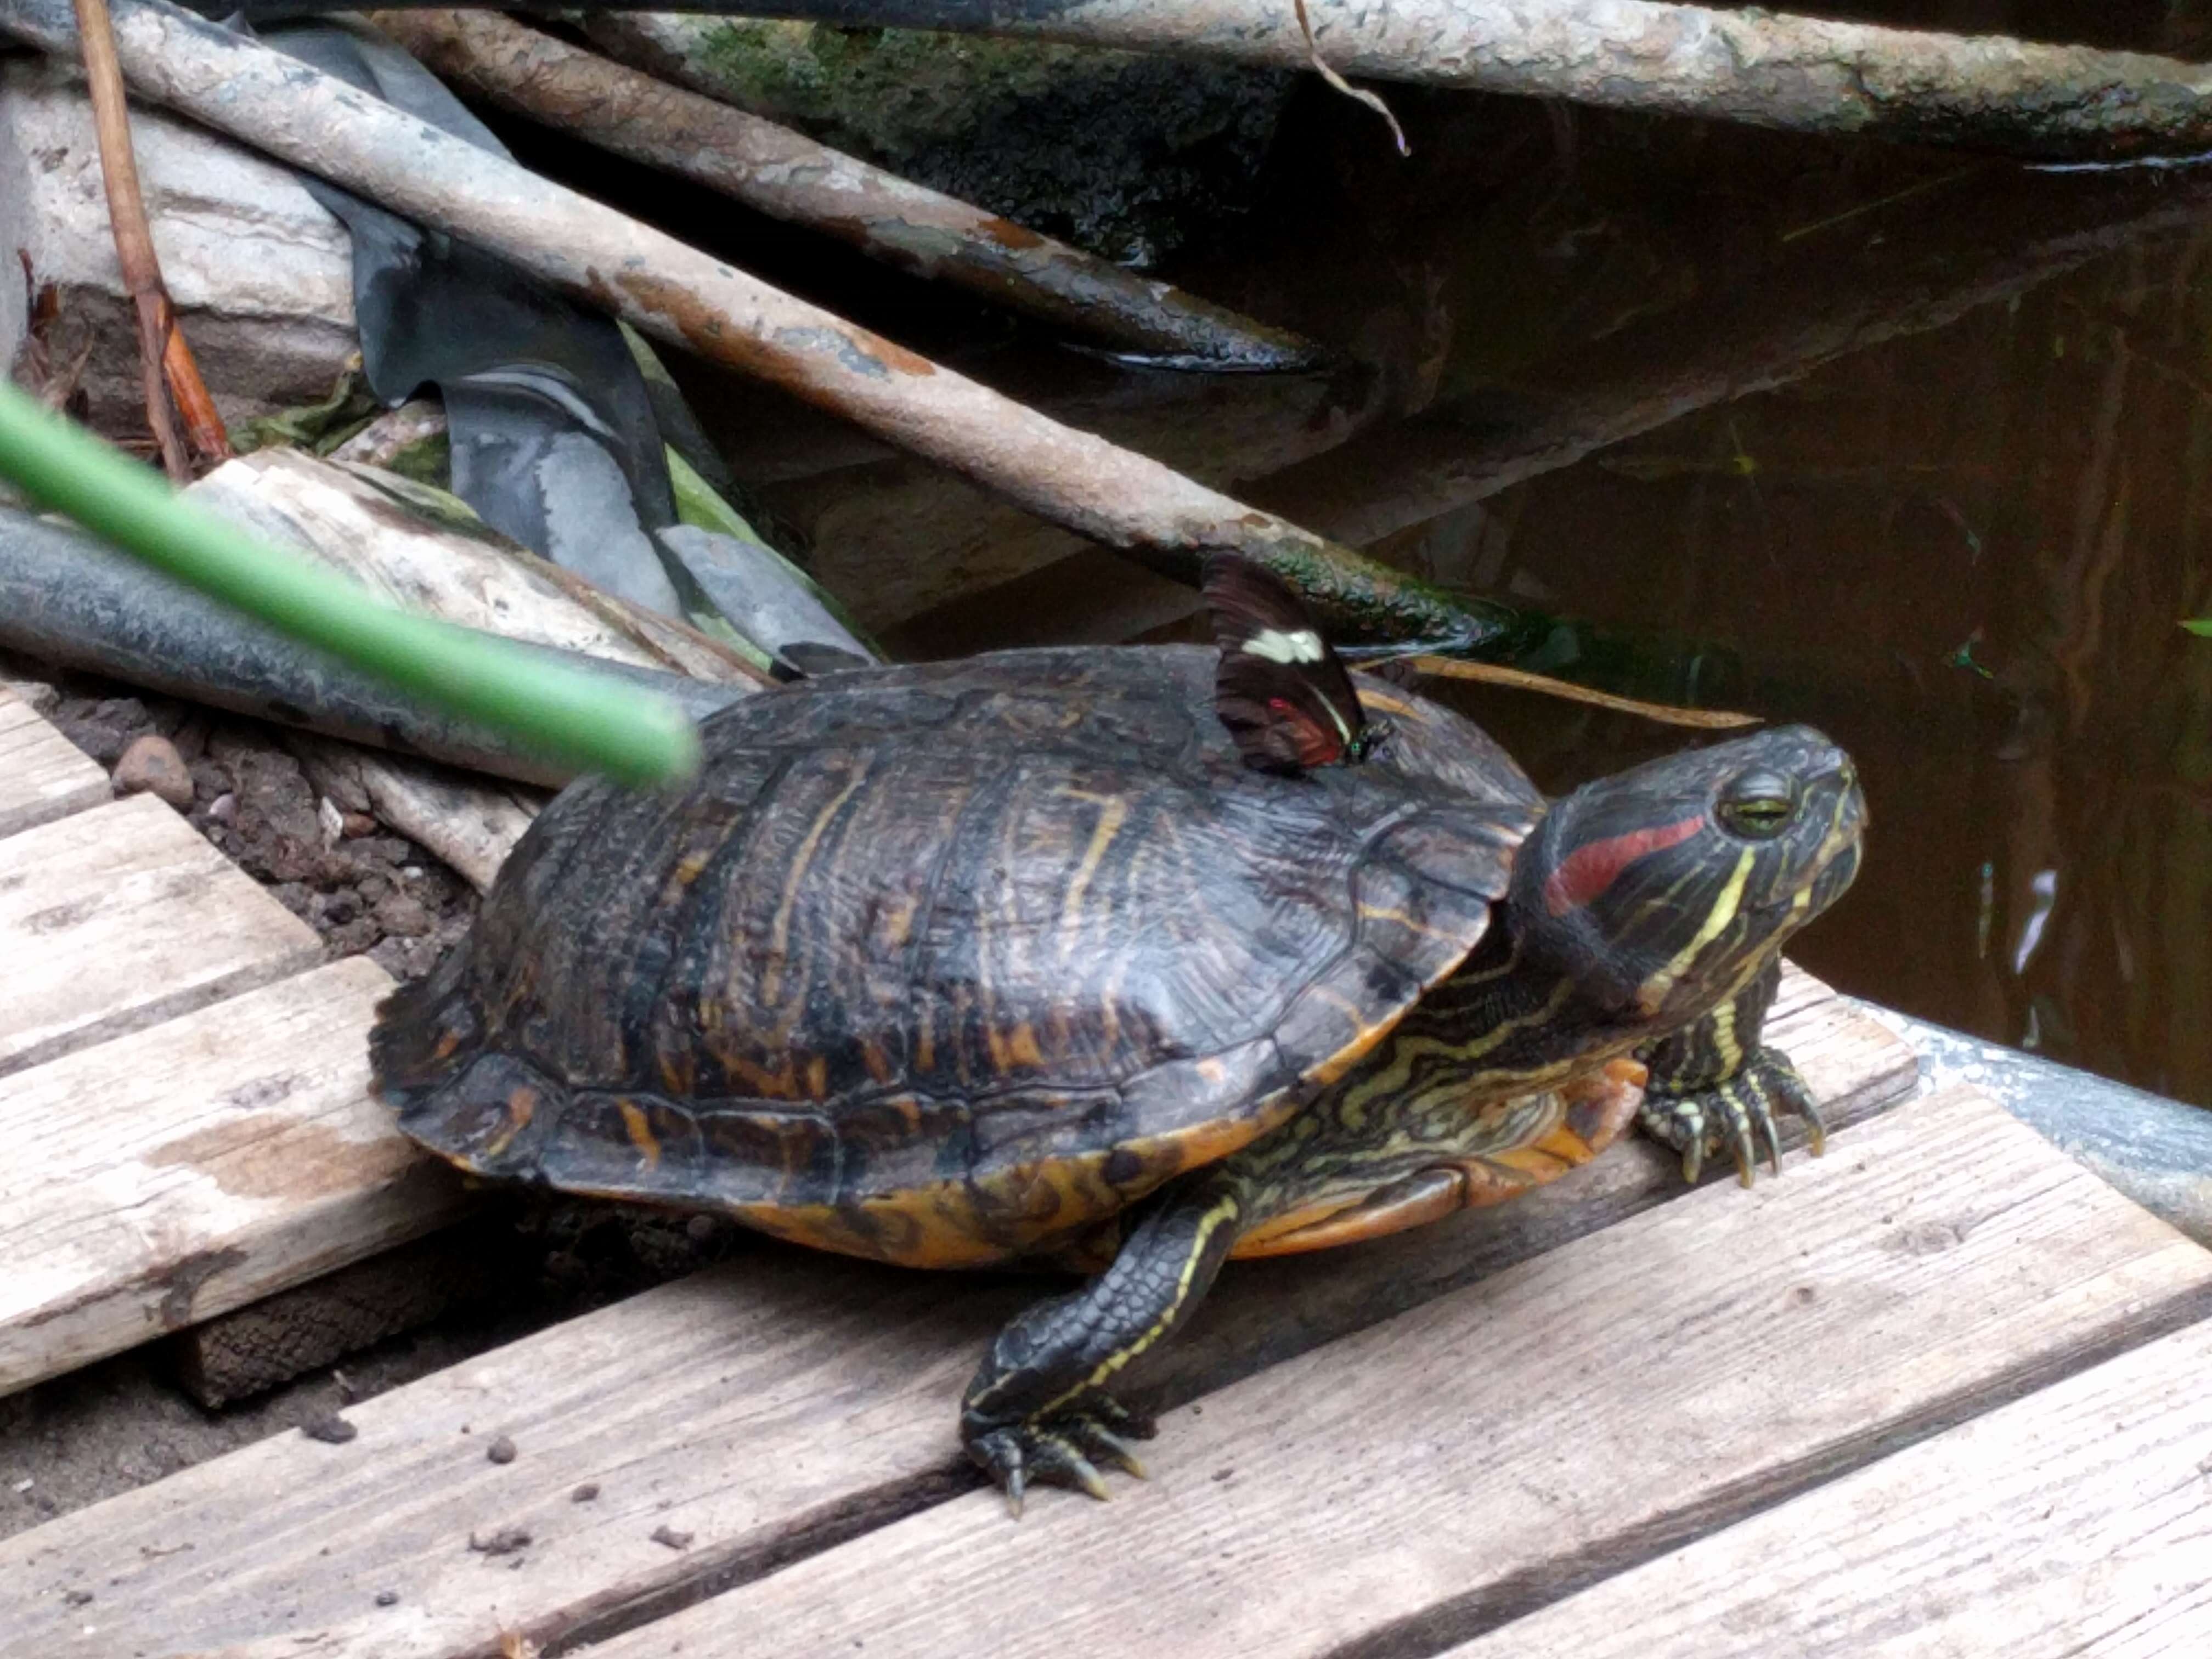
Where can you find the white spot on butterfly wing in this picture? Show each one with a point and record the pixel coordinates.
(1302, 645)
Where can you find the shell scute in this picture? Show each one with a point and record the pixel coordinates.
(945, 962)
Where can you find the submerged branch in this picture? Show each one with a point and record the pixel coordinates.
(676, 293)
(788, 176)
(1770, 69)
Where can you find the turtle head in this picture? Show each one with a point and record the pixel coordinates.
(1661, 889)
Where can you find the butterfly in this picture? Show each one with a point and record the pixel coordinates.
(1281, 691)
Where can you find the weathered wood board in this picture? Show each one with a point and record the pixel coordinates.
(43, 775)
(1670, 1366)
(183, 1170)
(1398, 1489)
(2073, 1524)
(120, 916)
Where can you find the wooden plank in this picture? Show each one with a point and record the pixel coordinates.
(768, 1408)
(187, 1169)
(1388, 1494)
(2073, 1524)
(116, 918)
(43, 775)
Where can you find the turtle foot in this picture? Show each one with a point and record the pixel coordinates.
(1061, 1449)
(1735, 1115)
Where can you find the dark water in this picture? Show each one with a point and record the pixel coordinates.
(1913, 445)
(1963, 551)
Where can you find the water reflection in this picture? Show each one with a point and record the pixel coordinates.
(1965, 554)
(1913, 445)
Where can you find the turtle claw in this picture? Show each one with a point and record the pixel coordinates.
(1104, 1443)
(1057, 1450)
(1738, 1115)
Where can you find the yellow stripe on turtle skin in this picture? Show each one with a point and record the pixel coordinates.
(1224, 1210)
(1722, 912)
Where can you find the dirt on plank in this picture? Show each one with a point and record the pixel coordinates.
(364, 889)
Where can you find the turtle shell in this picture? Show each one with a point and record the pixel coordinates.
(943, 963)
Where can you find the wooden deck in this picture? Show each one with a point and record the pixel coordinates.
(1938, 1392)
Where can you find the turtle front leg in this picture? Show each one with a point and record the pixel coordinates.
(1714, 1087)
(1038, 1409)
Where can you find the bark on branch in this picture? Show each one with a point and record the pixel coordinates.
(676, 293)
(788, 176)
(1808, 74)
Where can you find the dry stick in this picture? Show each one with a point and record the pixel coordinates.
(1770, 69)
(676, 293)
(142, 269)
(790, 177)
(134, 237)
(1667, 713)
(204, 425)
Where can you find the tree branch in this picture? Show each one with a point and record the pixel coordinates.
(788, 176)
(676, 293)
(1770, 69)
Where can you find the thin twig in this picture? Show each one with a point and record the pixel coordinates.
(164, 358)
(1451, 668)
(134, 238)
(204, 425)
(1373, 100)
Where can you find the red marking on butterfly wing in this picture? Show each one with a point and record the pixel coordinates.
(1589, 871)
(1284, 716)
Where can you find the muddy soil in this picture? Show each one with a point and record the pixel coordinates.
(364, 889)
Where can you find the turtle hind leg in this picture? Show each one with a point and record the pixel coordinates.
(1715, 1087)
(1038, 1409)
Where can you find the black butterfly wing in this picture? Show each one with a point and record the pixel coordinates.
(1279, 690)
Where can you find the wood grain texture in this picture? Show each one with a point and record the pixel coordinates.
(43, 775)
(121, 917)
(2073, 1524)
(187, 1169)
(1392, 1492)
(770, 1409)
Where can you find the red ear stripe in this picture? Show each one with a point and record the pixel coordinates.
(1589, 871)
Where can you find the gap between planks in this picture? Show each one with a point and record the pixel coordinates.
(43, 775)
(122, 916)
(763, 1411)
(1381, 1496)
(181, 1171)
(2073, 1524)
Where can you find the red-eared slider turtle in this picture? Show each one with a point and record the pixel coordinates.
(1016, 958)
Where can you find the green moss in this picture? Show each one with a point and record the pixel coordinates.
(886, 91)
(1127, 154)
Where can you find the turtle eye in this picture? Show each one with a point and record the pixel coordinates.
(1758, 805)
